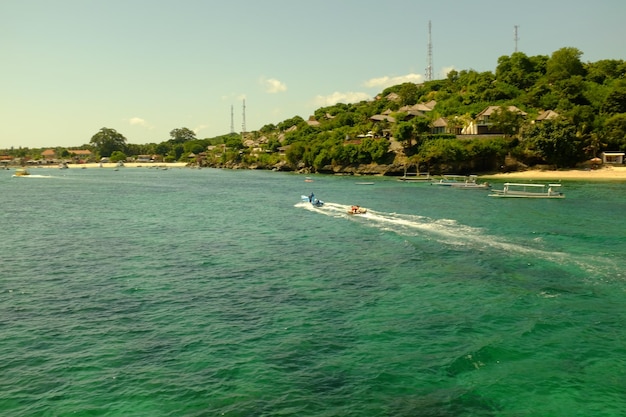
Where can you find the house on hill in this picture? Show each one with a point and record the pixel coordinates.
(80, 155)
(482, 125)
(49, 154)
(546, 115)
(312, 121)
(440, 127)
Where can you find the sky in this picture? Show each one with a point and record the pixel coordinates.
(146, 67)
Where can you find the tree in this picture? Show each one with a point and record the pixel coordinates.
(564, 64)
(615, 131)
(408, 94)
(556, 142)
(118, 156)
(506, 121)
(615, 102)
(404, 133)
(182, 135)
(107, 141)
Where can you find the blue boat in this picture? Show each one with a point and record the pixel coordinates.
(313, 200)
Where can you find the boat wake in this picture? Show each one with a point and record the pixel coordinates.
(448, 232)
(32, 176)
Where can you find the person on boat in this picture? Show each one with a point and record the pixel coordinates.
(355, 209)
(311, 197)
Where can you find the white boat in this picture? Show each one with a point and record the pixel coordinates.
(519, 190)
(461, 181)
(450, 180)
(417, 177)
(471, 182)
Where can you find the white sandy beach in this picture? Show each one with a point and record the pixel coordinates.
(601, 174)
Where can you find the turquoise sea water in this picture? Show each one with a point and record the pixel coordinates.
(181, 292)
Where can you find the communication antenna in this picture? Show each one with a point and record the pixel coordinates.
(429, 68)
(232, 120)
(243, 123)
(515, 37)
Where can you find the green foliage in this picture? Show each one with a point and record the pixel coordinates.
(590, 98)
(107, 141)
(182, 135)
(615, 132)
(556, 142)
(118, 156)
(404, 133)
(506, 121)
(563, 64)
(196, 146)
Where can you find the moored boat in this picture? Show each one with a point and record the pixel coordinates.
(450, 180)
(461, 181)
(417, 177)
(520, 190)
(471, 182)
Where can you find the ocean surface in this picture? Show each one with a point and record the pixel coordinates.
(187, 292)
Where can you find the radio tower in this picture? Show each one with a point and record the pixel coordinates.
(232, 120)
(515, 38)
(243, 123)
(429, 68)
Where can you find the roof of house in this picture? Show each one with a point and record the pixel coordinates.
(392, 97)
(441, 122)
(547, 115)
(492, 109)
(381, 117)
(312, 121)
(80, 151)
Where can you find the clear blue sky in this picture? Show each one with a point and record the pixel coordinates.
(146, 67)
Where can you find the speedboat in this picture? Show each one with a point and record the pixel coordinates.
(21, 172)
(313, 200)
(357, 210)
(518, 190)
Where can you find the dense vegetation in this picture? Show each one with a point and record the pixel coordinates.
(589, 98)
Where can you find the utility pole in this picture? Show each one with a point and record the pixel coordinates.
(232, 120)
(243, 123)
(515, 37)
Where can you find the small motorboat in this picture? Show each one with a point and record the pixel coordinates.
(357, 210)
(21, 172)
(313, 200)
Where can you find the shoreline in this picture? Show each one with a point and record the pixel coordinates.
(606, 173)
(109, 165)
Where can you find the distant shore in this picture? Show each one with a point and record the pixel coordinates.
(600, 174)
(604, 173)
(114, 165)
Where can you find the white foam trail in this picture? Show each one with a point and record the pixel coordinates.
(452, 233)
(446, 231)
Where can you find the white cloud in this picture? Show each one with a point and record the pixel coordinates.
(272, 85)
(337, 97)
(384, 82)
(197, 129)
(138, 121)
(446, 70)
